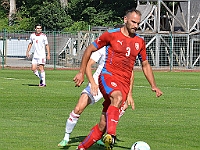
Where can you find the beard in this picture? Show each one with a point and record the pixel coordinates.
(130, 29)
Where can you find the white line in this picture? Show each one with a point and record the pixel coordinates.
(193, 89)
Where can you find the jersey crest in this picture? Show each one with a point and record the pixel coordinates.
(137, 46)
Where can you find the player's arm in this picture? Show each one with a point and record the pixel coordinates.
(94, 86)
(130, 100)
(28, 50)
(48, 51)
(147, 70)
(79, 78)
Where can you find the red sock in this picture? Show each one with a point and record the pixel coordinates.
(94, 135)
(112, 119)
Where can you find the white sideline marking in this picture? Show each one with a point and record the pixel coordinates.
(140, 86)
(169, 87)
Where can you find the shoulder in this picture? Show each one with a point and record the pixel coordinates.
(112, 33)
(114, 30)
(139, 36)
(42, 34)
(33, 34)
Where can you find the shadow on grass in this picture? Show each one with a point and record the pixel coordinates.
(76, 140)
(31, 84)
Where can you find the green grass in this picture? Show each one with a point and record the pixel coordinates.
(33, 118)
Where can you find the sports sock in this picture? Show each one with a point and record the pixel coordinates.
(37, 73)
(43, 77)
(70, 124)
(112, 119)
(94, 135)
(121, 113)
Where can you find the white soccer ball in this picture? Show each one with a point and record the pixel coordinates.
(140, 145)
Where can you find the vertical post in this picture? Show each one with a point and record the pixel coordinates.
(78, 45)
(188, 38)
(188, 17)
(189, 64)
(171, 51)
(188, 51)
(4, 48)
(157, 50)
(54, 49)
(158, 18)
(173, 10)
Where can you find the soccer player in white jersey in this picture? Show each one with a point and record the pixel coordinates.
(40, 43)
(90, 95)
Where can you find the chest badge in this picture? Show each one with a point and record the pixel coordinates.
(137, 46)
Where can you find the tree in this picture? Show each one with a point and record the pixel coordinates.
(64, 3)
(53, 17)
(12, 12)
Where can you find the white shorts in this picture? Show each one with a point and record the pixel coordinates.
(94, 99)
(39, 61)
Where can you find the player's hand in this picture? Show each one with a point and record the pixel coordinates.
(130, 101)
(48, 57)
(158, 91)
(78, 79)
(94, 89)
(27, 54)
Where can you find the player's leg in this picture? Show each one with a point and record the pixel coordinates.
(43, 75)
(41, 62)
(114, 96)
(71, 122)
(95, 134)
(123, 110)
(113, 101)
(113, 114)
(34, 68)
(100, 142)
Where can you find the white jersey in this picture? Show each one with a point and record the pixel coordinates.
(98, 57)
(39, 42)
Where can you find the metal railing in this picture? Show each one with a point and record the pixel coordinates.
(165, 51)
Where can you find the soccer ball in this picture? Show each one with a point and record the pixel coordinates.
(140, 145)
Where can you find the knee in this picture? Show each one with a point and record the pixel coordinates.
(33, 68)
(102, 126)
(116, 98)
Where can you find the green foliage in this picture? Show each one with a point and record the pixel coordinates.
(53, 17)
(2, 13)
(78, 12)
(77, 26)
(3, 23)
(104, 18)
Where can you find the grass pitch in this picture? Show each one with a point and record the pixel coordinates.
(33, 118)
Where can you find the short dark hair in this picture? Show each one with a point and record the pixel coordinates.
(118, 25)
(38, 25)
(133, 10)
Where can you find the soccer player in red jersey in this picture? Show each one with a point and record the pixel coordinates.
(124, 45)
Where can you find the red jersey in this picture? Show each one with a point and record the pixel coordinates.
(121, 53)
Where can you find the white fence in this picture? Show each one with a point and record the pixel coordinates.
(165, 51)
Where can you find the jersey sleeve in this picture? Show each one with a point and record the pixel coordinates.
(31, 39)
(143, 55)
(103, 40)
(97, 54)
(45, 40)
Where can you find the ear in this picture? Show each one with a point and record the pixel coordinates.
(125, 19)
